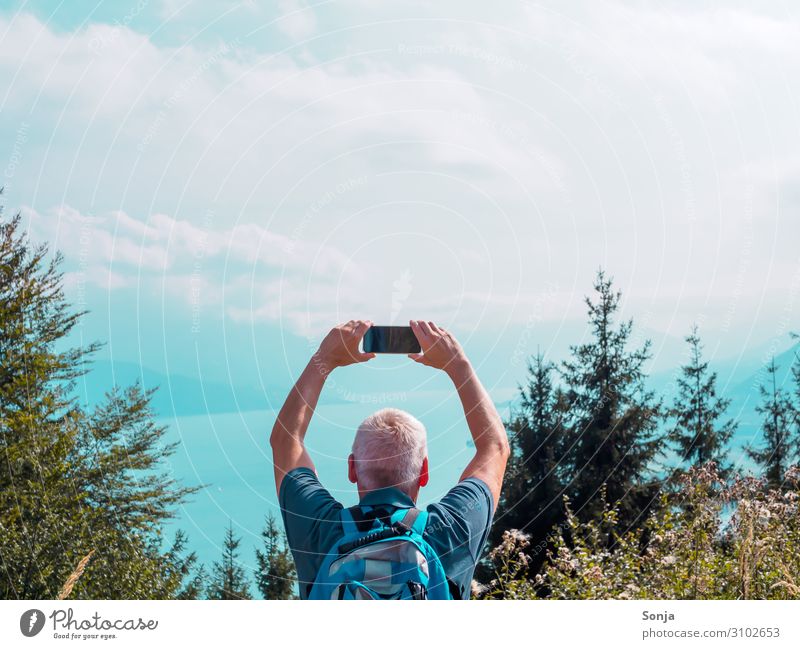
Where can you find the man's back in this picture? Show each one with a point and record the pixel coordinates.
(457, 525)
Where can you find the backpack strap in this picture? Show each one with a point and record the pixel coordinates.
(364, 517)
(348, 522)
(455, 591)
(357, 520)
(415, 520)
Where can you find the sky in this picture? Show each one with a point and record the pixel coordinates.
(228, 180)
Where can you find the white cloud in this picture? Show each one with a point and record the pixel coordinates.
(297, 20)
(489, 156)
(118, 251)
(692, 47)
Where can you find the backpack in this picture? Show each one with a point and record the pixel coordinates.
(381, 555)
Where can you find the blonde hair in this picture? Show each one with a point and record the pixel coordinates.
(389, 449)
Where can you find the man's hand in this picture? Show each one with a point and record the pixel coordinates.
(340, 346)
(440, 349)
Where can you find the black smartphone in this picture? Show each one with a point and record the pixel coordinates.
(391, 340)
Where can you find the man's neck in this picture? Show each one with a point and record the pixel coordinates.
(362, 493)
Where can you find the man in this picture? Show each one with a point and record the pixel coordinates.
(389, 461)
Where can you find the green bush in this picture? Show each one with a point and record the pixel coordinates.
(708, 539)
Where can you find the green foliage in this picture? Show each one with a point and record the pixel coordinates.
(711, 539)
(536, 476)
(697, 432)
(228, 576)
(510, 563)
(612, 418)
(72, 479)
(780, 415)
(596, 428)
(187, 577)
(275, 574)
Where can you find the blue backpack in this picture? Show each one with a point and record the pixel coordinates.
(381, 557)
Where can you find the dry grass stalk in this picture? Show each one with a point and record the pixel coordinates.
(66, 589)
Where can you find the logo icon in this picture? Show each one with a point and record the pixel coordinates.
(31, 622)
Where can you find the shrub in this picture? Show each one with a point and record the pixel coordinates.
(708, 539)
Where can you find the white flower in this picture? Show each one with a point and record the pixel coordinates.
(594, 573)
(477, 588)
(518, 537)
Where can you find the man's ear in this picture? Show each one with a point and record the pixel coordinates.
(351, 469)
(423, 474)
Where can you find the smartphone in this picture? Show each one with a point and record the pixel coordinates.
(391, 340)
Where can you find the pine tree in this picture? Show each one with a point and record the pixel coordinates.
(73, 479)
(531, 500)
(796, 404)
(185, 570)
(613, 418)
(228, 577)
(778, 413)
(275, 573)
(698, 435)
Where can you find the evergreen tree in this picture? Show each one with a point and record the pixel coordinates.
(697, 434)
(778, 413)
(275, 573)
(73, 479)
(613, 418)
(796, 378)
(185, 570)
(228, 577)
(531, 499)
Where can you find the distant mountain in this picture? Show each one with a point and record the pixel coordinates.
(179, 395)
(737, 376)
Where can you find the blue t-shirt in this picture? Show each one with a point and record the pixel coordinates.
(456, 529)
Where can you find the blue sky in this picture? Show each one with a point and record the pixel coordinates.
(228, 180)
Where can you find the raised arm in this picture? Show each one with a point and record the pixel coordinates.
(442, 351)
(338, 348)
